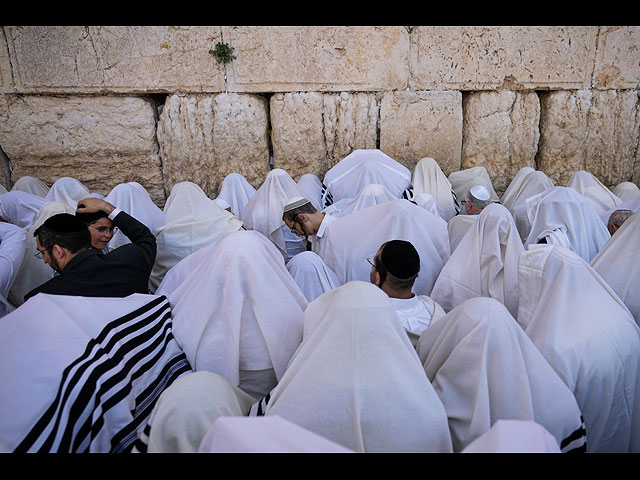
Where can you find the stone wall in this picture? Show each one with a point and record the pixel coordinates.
(100, 102)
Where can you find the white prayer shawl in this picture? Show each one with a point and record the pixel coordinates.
(67, 190)
(33, 270)
(416, 314)
(626, 191)
(357, 380)
(236, 307)
(632, 204)
(484, 264)
(590, 339)
(514, 436)
(429, 178)
(462, 180)
(350, 240)
(559, 207)
(82, 374)
(133, 199)
(312, 275)
(513, 190)
(271, 434)
(31, 185)
(428, 202)
(263, 212)
(12, 252)
(311, 188)
(190, 221)
(618, 263)
(370, 195)
(593, 190)
(20, 208)
(186, 410)
(485, 368)
(237, 192)
(363, 167)
(457, 228)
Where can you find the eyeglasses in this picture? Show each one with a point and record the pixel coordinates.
(40, 253)
(105, 230)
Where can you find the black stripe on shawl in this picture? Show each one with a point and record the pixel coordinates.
(578, 434)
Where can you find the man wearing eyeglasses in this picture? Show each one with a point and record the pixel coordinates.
(64, 243)
(305, 221)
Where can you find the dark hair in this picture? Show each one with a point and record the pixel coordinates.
(64, 230)
(292, 214)
(398, 264)
(89, 218)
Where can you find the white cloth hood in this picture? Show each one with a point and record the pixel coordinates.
(311, 188)
(372, 194)
(533, 183)
(31, 185)
(429, 178)
(312, 275)
(593, 190)
(626, 191)
(20, 208)
(463, 180)
(67, 190)
(237, 192)
(512, 191)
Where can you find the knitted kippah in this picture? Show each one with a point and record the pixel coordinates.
(400, 258)
(295, 203)
(64, 223)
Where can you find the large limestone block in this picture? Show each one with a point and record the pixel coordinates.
(98, 140)
(203, 138)
(7, 84)
(500, 133)
(313, 131)
(414, 125)
(317, 58)
(593, 130)
(490, 57)
(616, 61)
(79, 59)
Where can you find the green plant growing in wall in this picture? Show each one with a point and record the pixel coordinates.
(223, 53)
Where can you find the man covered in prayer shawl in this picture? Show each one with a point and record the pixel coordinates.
(301, 218)
(475, 200)
(357, 380)
(67, 190)
(513, 381)
(462, 181)
(373, 194)
(626, 191)
(19, 208)
(311, 274)
(31, 185)
(594, 191)
(394, 269)
(311, 187)
(236, 191)
(429, 178)
(12, 252)
(589, 337)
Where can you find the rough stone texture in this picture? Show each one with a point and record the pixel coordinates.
(593, 130)
(414, 125)
(78, 59)
(312, 58)
(500, 133)
(487, 58)
(314, 131)
(98, 140)
(203, 138)
(7, 85)
(616, 62)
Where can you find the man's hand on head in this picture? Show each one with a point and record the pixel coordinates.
(93, 204)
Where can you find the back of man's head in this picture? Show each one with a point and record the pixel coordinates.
(295, 207)
(399, 264)
(66, 231)
(617, 218)
(478, 196)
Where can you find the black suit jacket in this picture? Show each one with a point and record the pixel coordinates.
(119, 273)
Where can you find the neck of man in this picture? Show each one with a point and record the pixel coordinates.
(402, 294)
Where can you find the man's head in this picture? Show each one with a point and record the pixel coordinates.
(301, 217)
(617, 218)
(60, 238)
(100, 227)
(395, 268)
(476, 199)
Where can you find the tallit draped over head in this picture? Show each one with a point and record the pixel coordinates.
(513, 190)
(237, 192)
(31, 185)
(310, 186)
(372, 194)
(618, 263)
(12, 253)
(357, 380)
(564, 217)
(67, 190)
(312, 275)
(350, 240)
(626, 191)
(190, 221)
(532, 184)
(463, 180)
(236, 307)
(363, 167)
(20, 208)
(513, 381)
(429, 178)
(133, 199)
(587, 185)
(485, 263)
(589, 338)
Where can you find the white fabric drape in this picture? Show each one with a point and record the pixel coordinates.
(485, 368)
(190, 221)
(626, 191)
(513, 189)
(353, 238)
(31, 185)
(457, 228)
(632, 204)
(357, 380)
(20, 208)
(462, 180)
(67, 190)
(310, 187)
(428, 202)
(485, 263)
(312, 275)
(370, 195)
(12, 252)
(237, 192)
(514, 436)
(429, 178)
(587, 185)
(590, 339)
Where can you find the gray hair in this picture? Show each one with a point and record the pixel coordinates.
(618, 217)
(477, 202)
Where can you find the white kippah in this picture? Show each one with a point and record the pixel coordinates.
(480, 192)
(295, 203)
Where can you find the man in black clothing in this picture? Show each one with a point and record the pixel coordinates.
(64, 243)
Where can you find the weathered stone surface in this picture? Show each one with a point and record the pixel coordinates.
(616, 60)
(593, 130)
(500, 133)
(515, 58)
(414, 125)
(7, 85)
(313, 131)
(131, 59)
(317, 58)
(203, 138)
(98, 140)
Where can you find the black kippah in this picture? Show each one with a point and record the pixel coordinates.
(401, 259)
(64, 223)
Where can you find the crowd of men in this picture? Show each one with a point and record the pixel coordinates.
(375, 310)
